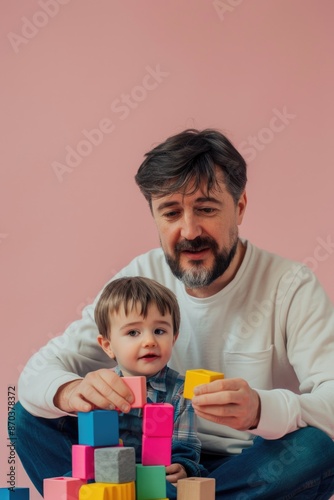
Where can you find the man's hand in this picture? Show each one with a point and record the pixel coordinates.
(228, 402)
(100, 389)
(174, 472)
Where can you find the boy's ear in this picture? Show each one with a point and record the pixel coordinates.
(175, 337)
(106, 346)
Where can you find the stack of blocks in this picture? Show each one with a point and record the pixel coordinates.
(104, 469)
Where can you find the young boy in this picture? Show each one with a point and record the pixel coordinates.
(138, 321)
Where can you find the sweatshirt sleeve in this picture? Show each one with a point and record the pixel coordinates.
(307, 324)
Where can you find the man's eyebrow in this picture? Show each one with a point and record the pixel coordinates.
(204, 199)
(201, 199)
(167, 204)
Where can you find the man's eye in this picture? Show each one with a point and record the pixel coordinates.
(171, 215)
(207, 210)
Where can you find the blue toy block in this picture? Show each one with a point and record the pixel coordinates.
(17, 493)
(98, 428)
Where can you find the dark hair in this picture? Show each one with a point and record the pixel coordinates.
(186, 159)
(129, 292)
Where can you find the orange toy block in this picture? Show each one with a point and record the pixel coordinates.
(138, 387)
(198, 377)
(196, 488)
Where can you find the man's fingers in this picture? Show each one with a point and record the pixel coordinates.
(101, 389)
(118, 385)
(226, 384)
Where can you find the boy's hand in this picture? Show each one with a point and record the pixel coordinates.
(174, 472)
(229, 402)
(100, 389)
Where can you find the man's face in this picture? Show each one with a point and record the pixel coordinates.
(199, 233)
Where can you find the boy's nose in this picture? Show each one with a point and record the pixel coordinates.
(149, 340)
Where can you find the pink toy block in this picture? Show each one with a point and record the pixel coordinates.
(83, 461)
(158, 420)
(138, 387)
(62, 488)
(156, 450)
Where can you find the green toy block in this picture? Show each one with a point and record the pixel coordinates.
(150, 481)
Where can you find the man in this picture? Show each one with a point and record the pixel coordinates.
(267, 428)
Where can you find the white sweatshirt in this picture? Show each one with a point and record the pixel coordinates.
(272, 325)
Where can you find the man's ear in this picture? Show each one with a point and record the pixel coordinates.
(241, 205)
(106, 346)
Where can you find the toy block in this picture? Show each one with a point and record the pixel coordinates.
(115, 465)
(67, 488)
(98, 428)
(150, 481)
(138, 387)
(83, 461)
(104, 491)
(156, 450)
(196, 488)
(198, 377)
(158, 419)
(17, 493)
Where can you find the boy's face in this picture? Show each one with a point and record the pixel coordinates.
(142, 346)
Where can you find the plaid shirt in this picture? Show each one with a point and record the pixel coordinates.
(166, 387)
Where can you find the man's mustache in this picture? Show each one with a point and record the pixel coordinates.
(197, 244)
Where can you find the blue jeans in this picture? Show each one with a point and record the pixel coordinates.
(300, 465)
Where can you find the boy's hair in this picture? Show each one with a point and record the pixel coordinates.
(128, 292)
(189, 158)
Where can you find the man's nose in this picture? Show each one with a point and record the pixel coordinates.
(190, 227)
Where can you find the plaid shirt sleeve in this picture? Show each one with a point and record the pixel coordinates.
(186, 446)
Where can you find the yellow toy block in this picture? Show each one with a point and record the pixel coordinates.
(196, 488)
(108, 491)
(198, 377)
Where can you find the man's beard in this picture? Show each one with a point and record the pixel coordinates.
(199, 276)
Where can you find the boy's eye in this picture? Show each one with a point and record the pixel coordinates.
(159, 331)
(133, 333)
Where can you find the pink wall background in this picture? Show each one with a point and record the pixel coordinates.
(261, 71)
